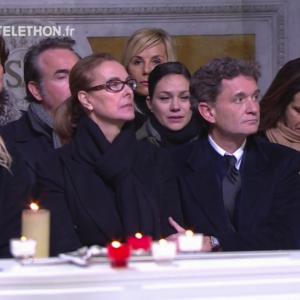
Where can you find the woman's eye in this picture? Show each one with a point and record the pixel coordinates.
(61, 77)
(185, 97)
(137, 62)
(157, 62)
(164, 98)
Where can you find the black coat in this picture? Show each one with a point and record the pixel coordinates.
(74, 192)
(30, 143)
(269, 212)
(14, 197)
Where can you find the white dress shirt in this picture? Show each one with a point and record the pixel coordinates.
(238, 154)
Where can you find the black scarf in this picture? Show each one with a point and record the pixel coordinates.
(170, 138)
(43, 123)
(114, 163)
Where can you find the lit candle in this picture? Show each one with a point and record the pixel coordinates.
(118, 254)
(22, 248)
(139, 242)
(36, 225)
(190, 242)
(163, 250)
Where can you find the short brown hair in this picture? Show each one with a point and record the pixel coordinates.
(206, 82)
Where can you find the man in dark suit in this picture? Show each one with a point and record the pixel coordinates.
(240, 192)
(46, 74)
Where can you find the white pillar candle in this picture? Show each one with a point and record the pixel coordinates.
(163, 250)
(36, 225)
(190, 242)
(22, 248)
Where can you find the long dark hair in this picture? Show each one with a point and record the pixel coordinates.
(280, 94)
(4, 52)
(162, 70)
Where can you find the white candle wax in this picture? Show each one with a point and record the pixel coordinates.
(22, 248)
(190, 242)
(163, 250)
(36, 225)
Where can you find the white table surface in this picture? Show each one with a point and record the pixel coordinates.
(252, 275)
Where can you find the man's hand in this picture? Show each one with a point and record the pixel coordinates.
(206, 246)
(178, 228)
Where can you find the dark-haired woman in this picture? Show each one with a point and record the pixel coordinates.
(104, 185)
(171, 123)
(280, 107)
(8, 109)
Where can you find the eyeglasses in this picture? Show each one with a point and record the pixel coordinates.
(114, 85)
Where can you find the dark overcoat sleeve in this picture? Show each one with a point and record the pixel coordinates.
(280, 227)
(14, 197)
(171, 198)
(51, 195)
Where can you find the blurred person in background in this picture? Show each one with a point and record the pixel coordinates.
(8, 109)
(280, 107)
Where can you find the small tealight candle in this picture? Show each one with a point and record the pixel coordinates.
(36, 225)
(163, 250)
(139, 242)
(118, 254)
(22, 248)
(190, 242)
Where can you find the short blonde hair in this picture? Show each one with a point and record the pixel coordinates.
(5, 158)
(145, 38)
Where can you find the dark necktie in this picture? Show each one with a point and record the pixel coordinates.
(230, 187)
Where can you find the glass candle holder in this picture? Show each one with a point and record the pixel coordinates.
(190, 242)
(118, 254)
(139, 242)
(22, 248)
(163, 250)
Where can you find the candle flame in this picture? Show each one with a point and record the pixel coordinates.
(138, 235)
(163, 242)
(189, 233)
(23, 238)
(34, 206)
(116, 244)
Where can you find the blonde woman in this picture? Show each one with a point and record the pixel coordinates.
(145, 49)
(14, 195)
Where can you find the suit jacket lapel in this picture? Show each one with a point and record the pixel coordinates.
(86, 184)
(253, 182)
(201, 177)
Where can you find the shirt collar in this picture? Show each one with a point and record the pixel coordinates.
(238, 154)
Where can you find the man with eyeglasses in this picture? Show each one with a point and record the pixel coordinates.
(47, 65)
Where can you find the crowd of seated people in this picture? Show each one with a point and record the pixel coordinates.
(115, 148)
